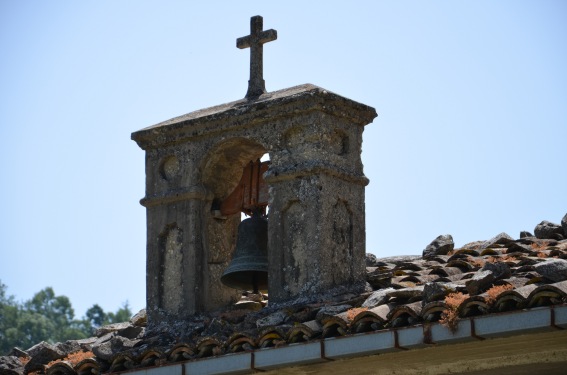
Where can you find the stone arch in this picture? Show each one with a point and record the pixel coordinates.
(222, 167)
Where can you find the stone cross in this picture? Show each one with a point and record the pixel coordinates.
(254, 41)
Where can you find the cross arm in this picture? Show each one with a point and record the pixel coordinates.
(268, 36)
(243, 42)
(264, 37)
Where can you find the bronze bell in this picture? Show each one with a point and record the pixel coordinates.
(248, 269)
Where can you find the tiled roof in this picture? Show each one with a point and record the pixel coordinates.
(480, 279)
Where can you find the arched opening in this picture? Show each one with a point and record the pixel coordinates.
(265, 158)
(223, 168)
(224, 174)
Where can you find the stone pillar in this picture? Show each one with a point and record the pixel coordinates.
(182, 260)
(316, 217)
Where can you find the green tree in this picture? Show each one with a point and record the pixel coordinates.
(18, 326)
(96, 316)
(123, 314)
(58, 308)
(59, 312)
(30, 329)
(48, 317)
(8, 319)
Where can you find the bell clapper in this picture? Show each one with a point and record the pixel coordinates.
(255, 282)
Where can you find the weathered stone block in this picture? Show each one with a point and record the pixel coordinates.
(553, 269)
(548, 230)
(11, 365)
(439, 246)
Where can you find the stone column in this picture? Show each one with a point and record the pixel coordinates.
(316, 217)
(182, 268)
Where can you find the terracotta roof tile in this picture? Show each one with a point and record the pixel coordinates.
(181, 352)
(408, 291)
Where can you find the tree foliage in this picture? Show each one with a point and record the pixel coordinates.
(48, 317)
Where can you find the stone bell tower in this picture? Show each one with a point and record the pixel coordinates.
(316, 230)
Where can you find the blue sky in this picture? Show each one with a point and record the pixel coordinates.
(470, 139)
